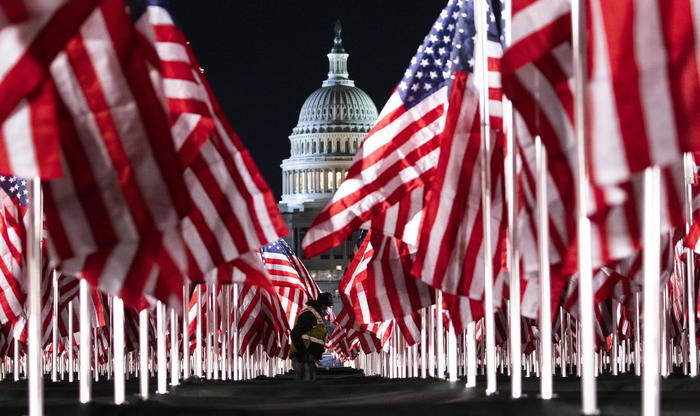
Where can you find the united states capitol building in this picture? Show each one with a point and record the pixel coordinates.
(332, 123)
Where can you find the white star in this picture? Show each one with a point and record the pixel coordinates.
(415, 87)
(450, 27)
(446, 39)
(438, 25)
(424, 62)
(471, 62)
(413, 60)
(2, 179)
(427, 86)
(442, 51)
(419, 74)
(433, 75)
(443, 14)
(433, 38)
(403, 86)
(408, 73)
(429, 50)
(455, 15)
(446, 74)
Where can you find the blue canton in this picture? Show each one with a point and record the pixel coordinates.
(16, 188)
(279, 247)
(449, 47)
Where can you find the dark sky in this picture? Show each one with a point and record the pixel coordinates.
(264, 57)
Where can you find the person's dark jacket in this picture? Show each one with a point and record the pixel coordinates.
(305, 322)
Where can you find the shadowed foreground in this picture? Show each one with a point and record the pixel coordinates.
(346, 392)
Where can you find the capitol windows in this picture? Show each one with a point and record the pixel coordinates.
(338, 179)
(313, 147)
(330, 181)
(295, 182)
(320, 147)
(346, 147)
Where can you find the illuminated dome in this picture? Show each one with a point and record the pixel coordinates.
(332, 123)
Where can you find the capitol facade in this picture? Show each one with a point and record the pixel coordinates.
(332, 123)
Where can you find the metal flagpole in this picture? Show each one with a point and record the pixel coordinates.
(119, 381)
(563, 341)
(451, 353)
(36, 386)
(185, 332)
(637, 337)
(652, 291)
(84, 347)
(198, 336)
(586, 335)
(431, 340)
(481, 69)
(615, 338)
(161, 352)
(143, 353)
(440, 337)
(70, 342)
(545, 323)
(214, 333)
(423, 341)
(15, 359)
(512, 188)
(689, 167)
(471, 354)
(54, 327)
(174, 352)
(236, 359)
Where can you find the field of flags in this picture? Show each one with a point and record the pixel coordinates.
(529, 194)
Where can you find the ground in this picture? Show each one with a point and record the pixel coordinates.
(343, 392)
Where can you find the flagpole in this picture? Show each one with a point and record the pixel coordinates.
(439, 333)
(431, 339)
(143, 353)
(161, 349)
(423, 341)
(174, 353)
(198, 334)
(119, 382)
(36, 386)
(482, 66)
(185, 332)
(451, 353)
(689, 167)
(471, 354)
(652, 291)
(543, 252)
(214, 332)
(70, 342)
(236, 359)
(54, 326)
(512, 187)
(84, 347)
(586, 336)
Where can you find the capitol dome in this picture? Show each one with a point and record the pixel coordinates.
(333, 121)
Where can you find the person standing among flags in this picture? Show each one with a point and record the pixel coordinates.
(309, 337)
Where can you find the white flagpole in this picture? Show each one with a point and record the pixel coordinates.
(615, 338)
(451, 354)
(234, 335)
(36, 386)
(440, 334)
(471, 354)
(185, 332)
(70, 342)
(482, 71)
(15, 359)
(423, 341)
(543, 252)
(85, 344)
(431, 339)
(143, 353)
(689, 167)
(637, 337)
(198, 337)
(174, 352)
(54, 327)
(161, 351)
(515, 337)
(652, 291)
(214, 332)
(586, 335)
(119, 381)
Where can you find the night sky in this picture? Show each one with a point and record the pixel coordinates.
(264, 57)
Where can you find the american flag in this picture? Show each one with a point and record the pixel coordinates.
(451, 247)
(293, 283)
(13, 234)
(262, 321)
(234, 211)
(379, 284)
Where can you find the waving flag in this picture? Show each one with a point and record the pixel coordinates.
(12, 240)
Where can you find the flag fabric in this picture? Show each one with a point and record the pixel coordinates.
(13, 239)
(293, 283)
(401, 151)
(234, 211)
(262, 321)
(643, 86)
(378, 282)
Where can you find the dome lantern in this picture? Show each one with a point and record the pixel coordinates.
(338, 62)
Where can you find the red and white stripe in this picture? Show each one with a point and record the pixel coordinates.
(262, 321)
(643, 86)
(12, 236)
